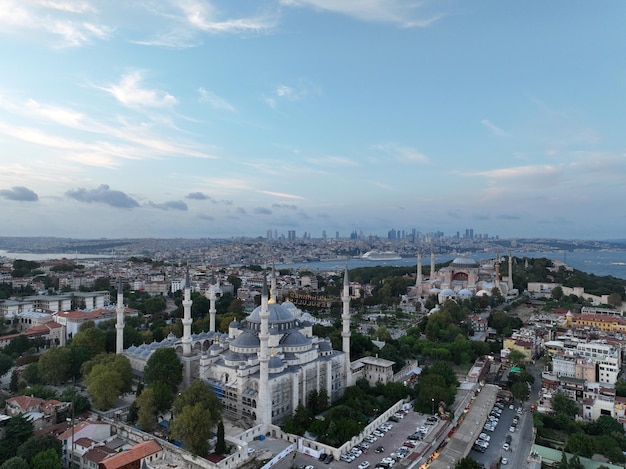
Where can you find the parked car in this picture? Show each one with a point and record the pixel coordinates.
(364, 465)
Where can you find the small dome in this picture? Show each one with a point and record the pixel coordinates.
(246, 340)
(464, 263)
(465, 293)
(483, 293)
(325, 346)
(294, 339)
(447, 292)
(235, 324)
(275, 362)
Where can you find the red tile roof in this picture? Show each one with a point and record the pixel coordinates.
(136, 453)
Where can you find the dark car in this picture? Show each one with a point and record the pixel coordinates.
(322, 457)
(330, 458)
(508, 439)
(380, 449)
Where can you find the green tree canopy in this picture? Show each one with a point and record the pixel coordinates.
(147, 410)
(200, 392)
(189, 426)
(164, 366)
(563, 404)
(55, 365)
(107, 376)
(48, 459)
(37, 444)
(15, 463)
(93, 339)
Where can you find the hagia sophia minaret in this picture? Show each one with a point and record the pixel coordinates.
(119, 325)
(432, 264)
(497, 275)
(212, 295)
(345, 334)
(264, 402)
(187, 317)
(418, 280)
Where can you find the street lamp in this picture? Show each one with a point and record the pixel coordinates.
(433, 402)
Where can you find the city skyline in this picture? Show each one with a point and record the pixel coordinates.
(216, 119)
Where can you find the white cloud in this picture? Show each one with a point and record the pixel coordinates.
(204, 16)
(70, 24)
(401, 13)
(215, 101)
(130, 93)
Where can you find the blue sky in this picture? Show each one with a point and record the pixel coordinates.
(199, 118)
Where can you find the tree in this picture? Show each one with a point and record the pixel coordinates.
(189, 427)
(107, 379)
(55, 365)
(220, 444)
(93, 339)
(563, 404)
(15, 381)
(557, 293)
(6, 363)
(147, 410)
(37, 444)
(516, 357)
(615, 300)
(48, 459)
(468, 463)
(164, 366)
(520, 391)
(17, 431)
(79, 402)
(15, 463)
(198, 392)
(17, 346)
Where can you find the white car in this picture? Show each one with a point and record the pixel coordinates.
(504, 461)
(484, 436)
(512, 429)
(506, 447)
(364, 465)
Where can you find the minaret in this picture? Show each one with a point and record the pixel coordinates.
(418, 277)
(510, 279)
(497, 279)
(119, 325)
(432, 264)
(345, 334)
(212, 295)
(187, 316)
(264, 402)
(273, 284)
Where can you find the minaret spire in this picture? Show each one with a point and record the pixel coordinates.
(510, 279)
(119, 325)
(345, 333)
(497, 266)
(187, 316)
(264, 403)
(212, 295)
(432, 263)
(418, 276)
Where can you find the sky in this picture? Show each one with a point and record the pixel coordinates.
(206, 118)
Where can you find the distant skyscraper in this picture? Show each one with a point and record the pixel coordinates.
(291, 235)
(336, 234)
(269, 235)
(323, 234)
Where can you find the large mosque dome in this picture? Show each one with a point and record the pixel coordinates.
(464, 263)
(279, 314)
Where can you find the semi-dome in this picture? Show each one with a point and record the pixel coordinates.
(294, 339)
(278, 314)
(464, 263)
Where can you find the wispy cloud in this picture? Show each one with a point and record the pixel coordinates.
(398, 12)
(215, 101)
(130, 93)
(261, 211)
(68, 23)
(19, 193)
(403, 153)
(290, 93)
(332, 161)
(204, 16)
(493, 128)
(282, 194)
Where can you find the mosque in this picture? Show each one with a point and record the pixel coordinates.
(462, 279)
(267, 364)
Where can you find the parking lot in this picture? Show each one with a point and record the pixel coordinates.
(503, 437)
(391, 447)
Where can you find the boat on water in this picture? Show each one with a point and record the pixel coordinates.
(381, 256)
